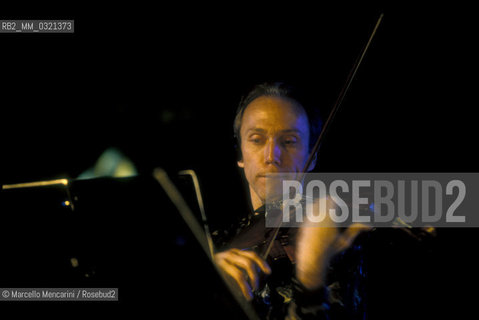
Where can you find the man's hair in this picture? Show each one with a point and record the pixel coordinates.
(280, 90)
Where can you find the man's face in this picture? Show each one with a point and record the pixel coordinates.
(274, 138)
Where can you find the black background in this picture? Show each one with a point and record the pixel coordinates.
(162, 84)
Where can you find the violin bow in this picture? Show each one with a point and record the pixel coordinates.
(329, 120)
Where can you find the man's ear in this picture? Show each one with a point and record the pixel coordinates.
(313, 163)
(240, 163)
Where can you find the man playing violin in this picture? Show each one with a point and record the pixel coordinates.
(275, 133)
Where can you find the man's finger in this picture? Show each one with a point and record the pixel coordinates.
(261, 263)
(355, 229)
(348, 236)
(239, 278)
(247, 265)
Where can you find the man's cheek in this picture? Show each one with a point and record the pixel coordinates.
(250, 175)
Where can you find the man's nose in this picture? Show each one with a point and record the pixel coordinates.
(273, 153)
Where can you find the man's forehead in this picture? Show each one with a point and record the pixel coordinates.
(263, 130)
(281, 114)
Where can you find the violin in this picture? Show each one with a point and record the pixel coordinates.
(265, 241)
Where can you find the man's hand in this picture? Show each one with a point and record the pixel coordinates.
(244, 267)
(317, 243)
